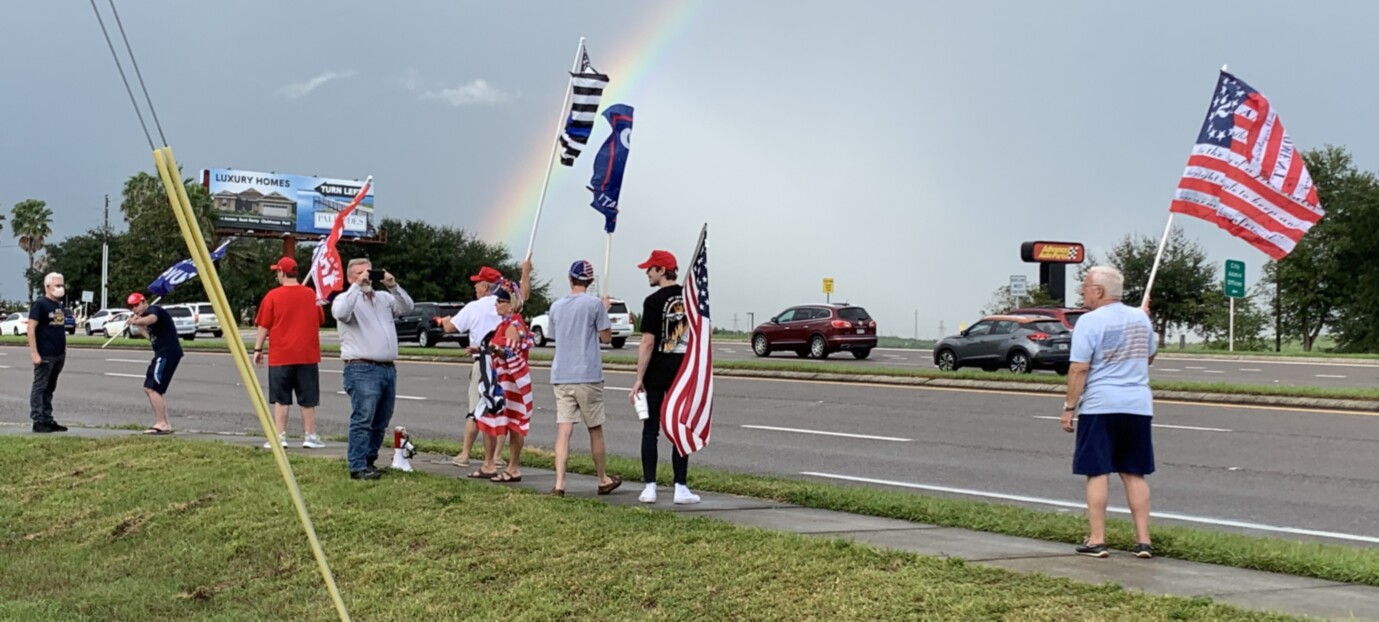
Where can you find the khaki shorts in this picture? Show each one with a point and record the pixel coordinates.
(579, 403)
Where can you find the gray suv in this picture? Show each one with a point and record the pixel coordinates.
(1019, 343)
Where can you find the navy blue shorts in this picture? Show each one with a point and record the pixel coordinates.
(160, 371)
(1113, 444)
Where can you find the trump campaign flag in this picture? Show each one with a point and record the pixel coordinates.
(181, 272)
(327, 273)
(686, 415)
(606, 184)
(1246, 176)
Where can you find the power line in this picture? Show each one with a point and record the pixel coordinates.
(123, 78)
(138, 74)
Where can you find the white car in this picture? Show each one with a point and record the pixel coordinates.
(116, 324)
(617, 314)
(181, 318)
(15, 324)
(95, 323)
(203, 314)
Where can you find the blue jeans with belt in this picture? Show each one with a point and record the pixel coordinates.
(373, 390)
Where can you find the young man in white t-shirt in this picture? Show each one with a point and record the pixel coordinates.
(580, 325)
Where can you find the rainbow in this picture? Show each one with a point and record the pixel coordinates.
(510, 220)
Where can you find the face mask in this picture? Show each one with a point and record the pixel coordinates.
(59, 291)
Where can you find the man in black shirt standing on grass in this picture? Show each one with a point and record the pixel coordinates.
(48, 351)
(665, 338)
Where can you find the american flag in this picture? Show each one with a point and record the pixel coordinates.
(326, 269)
(513, 375)
(586, 89)
(1246, 175)
(687, 414)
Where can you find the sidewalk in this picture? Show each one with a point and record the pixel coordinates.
(1248, 589)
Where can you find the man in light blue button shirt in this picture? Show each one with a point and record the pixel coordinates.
(1108, 389)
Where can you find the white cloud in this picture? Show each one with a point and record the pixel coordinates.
(476, 92)
(301, 89)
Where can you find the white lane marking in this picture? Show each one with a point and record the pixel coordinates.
(1329, 376)
(4, 366)
(862, 436)
(401, 397)
(1196, 368)
(124, 361)
(1212, 371)
(1170, 370)
(332, 371)
(1244, 369)
(628, 389)
(1161, 425)
(123, 375)
(1222, 522)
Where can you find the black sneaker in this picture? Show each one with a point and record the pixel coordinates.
(365, 474)
(1094, 550)
(47, 427)
(375, 469)
(1143, 551)
(57, 427)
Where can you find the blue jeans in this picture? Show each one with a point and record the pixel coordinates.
(372, 390)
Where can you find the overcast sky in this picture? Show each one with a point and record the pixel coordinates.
(905, 149)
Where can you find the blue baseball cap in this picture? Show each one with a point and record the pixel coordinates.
(582, 270)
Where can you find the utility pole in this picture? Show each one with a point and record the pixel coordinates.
(940, 330)
(1278, 313)
(916, 324)
(751, 320)
(735, 323)
(105, 257)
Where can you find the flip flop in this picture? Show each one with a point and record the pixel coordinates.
(506, 478)
(480, 474)
(156, 432)
(557, 492)
(610, 486)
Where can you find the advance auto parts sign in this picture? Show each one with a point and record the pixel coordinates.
(1052, 252)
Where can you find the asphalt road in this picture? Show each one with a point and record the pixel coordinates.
(1288, 473)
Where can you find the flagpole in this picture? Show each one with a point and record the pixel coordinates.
(555, 146)
(108, 342)
(1158, 257)
(607, 261)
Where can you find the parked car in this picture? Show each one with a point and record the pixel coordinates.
(817, 331)
(203, 314)
(618, 316)
(420, 325)
(181, 318)
(116, 324)
(1065, 315)
(1020, 343)
(69, 322)
(15, 324)
(95, 323)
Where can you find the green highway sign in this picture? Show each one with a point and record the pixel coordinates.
(1235, 279)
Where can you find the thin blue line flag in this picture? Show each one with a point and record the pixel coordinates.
(606, 183)
(181, 272)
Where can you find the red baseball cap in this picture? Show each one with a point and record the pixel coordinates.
(660, 259)
(286, 264)
(487, 275)
(134, 300)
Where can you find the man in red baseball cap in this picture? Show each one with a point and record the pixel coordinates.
(158, 326)
(665, 338)
(291, 319)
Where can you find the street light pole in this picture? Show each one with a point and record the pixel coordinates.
(105, 258)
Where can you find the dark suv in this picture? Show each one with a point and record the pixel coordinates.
(817, 331)
(1020, 343)
(1065, 315)
(420, 325)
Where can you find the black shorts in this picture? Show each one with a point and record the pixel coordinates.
(304, 380)
(1114, 443)
(160, 371)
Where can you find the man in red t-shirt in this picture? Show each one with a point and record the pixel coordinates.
(290, 317)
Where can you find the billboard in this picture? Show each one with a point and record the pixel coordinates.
(1052, 252)
(273, 202)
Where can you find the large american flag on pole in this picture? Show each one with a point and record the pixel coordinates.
(686, 415)
(1246, 175)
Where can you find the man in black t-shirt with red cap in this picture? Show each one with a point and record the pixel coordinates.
(665, 338)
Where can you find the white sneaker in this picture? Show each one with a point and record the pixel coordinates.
(649, 494)
(282, 438)
(683, 496)
(312, 442)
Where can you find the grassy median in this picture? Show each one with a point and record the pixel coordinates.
(1308, 559)
(109, 530)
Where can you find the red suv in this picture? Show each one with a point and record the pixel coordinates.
(817, 331)
(1065, 315)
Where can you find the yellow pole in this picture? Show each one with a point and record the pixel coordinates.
(191, 233)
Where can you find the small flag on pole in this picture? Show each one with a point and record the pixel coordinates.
(1246, 176)
(606, 184)
(586, 90)
(181, 272)
(686, 416)
(327, 273)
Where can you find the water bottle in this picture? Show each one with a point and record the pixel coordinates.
(643, 411)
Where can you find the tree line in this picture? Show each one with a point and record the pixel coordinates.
(1328, 285)
(432, 262)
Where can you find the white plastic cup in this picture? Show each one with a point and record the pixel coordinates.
(643, 411)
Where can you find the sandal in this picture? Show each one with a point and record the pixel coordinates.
(156, 432)
(557, 492)
(480, 474)
(610, 486)
(506, 478)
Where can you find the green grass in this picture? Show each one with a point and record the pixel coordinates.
(109, 530)
(1309, 559)
(844, 371)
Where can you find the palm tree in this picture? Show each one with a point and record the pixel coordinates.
(32, 223)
